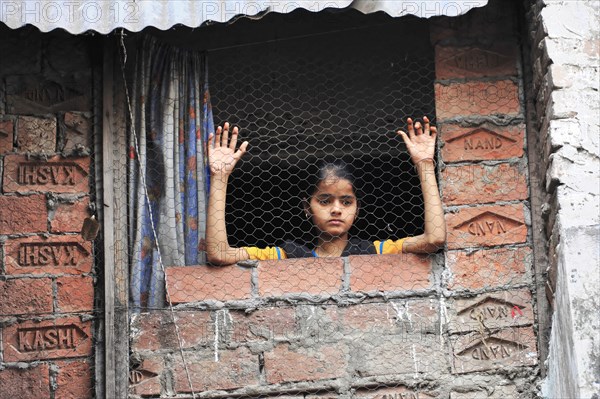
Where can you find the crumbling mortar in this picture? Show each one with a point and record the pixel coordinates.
(53, 379)
(476, 121)
(447, 82)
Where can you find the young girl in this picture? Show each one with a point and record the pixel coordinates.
(331, 205)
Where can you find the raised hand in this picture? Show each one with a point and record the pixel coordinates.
(222, 155)
(419, 142)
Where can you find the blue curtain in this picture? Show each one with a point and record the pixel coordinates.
(168, 177)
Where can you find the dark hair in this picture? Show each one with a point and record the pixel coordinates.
(338, 169)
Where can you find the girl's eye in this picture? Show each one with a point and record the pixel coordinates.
(324, 201)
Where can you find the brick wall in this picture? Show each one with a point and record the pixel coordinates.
(458, 324)
(46, 268)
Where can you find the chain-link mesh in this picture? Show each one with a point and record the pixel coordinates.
(339, 96)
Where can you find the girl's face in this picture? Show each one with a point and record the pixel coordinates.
(333, 207)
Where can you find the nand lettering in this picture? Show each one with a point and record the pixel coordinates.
(49, 338)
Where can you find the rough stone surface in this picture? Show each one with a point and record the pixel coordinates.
(477, 99)
(492, 310)
(6, 136)
(390, 272)
(486, 226)
(28, 383)
(75, 293)
(57, 175)
(49, 339)
(23, 214)
(74, 380)
(201, 283)
(484, 142)
(287, 364)
(499, 59)
(217, 369)
(78, 132)
(68, 217)
(309, 275)
(491, 268)
(23, 296)
(483, 184)
(36, 134)
(54, 255)
(512, 347)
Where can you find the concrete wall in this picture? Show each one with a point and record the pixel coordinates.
(46, 268)
(565, 45)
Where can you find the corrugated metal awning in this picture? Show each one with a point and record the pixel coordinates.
(103, 16)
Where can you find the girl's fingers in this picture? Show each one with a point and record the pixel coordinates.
(225, 135)
(426, 121)
(419, 128)
(433, 131)
(218, 137)
(404, 136)
(208, 145)
(234, 137)
(411, 129)
(242, 150)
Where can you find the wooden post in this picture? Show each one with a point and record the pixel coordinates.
(114, 194)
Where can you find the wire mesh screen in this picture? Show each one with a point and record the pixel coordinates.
(337, 96)
(318, 324)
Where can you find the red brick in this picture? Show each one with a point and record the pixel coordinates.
(400, 392)
(486, 226)
(390, 317)
(78, 131)
(287, 364)
(23, 214)
(27, 295)
(306, 275)
(485, 142)
(509, 308)
(156, 329)
(224, 369)
(477, 99)
(57, 175)
(74, 380)
(36, 134)
(54, 254)
(201, 283)
(75, 293)
(68, 217)
(32, 382)
(264, 324)
(375, 355)
(145, 379)
(48, 339)
(508, 348)
(488, 268)
(481, 184)
(500, 59)
(390, 273)
(6, 136)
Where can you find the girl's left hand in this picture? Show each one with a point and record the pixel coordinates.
(420, 142)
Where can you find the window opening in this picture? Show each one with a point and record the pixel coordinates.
(333, 96)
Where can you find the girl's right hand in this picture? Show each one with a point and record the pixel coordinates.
(222, 155)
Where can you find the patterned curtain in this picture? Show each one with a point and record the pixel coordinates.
(172, 119)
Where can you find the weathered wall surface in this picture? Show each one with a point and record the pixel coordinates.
(565, 47)
(46, 268)
(460, 324)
